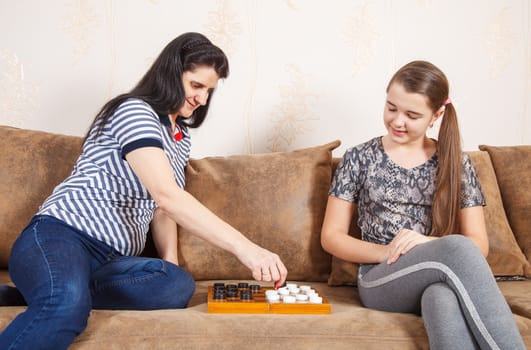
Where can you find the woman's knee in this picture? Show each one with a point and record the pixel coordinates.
(178, 281)
(181, 288)
(72, 304)
(65, 310)
(141, 284)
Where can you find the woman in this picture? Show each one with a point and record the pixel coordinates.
(420, 207)
(81, 249)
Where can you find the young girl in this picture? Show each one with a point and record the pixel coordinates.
(420, 210)
(81, 249)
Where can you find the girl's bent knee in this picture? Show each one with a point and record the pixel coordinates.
(462, 256)
(459, 245)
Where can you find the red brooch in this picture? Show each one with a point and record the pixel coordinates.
(178, 135)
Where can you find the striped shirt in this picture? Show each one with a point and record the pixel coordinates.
(103, 197)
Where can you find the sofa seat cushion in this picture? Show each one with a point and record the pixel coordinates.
(277, 200)
(349, 326)
(518, 296)
(4, 277)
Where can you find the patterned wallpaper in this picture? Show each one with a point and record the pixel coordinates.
(303, 72)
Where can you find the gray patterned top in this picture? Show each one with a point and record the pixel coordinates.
(390, 197)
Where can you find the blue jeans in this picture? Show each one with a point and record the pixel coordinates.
(63, 274)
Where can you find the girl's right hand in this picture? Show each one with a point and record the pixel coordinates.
(403, 242)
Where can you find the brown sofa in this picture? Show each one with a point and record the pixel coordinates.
(278, 200)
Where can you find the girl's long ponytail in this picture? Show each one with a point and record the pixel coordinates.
(447, 198)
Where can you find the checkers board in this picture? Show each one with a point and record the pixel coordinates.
(243, 298)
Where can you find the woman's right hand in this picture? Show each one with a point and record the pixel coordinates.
(264, 265)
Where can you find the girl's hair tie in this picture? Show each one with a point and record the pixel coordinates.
(447, 102)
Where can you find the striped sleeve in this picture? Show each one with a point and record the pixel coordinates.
(135, 125)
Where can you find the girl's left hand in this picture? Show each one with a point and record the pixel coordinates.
(403, 242)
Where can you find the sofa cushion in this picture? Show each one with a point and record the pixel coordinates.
(35, 163)
(277, 200)
(349, 326)
(343, 273)
(518, 296)
(505, 256)
(512, 165)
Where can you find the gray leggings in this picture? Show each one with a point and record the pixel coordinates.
(449, 283)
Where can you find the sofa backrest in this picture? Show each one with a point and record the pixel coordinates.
(32, 163)
(506, 257)
(276, 199)
(512, 165)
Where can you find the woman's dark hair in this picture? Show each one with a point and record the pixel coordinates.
(162, 87)
(424, 78)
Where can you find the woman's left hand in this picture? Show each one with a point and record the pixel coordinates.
(403, 242)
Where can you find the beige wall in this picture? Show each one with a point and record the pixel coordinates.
(303, 72)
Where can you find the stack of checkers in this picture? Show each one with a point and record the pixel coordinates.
(253, 298)
(292, 293)
(243, 291)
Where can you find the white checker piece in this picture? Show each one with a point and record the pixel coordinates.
(292, 293)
